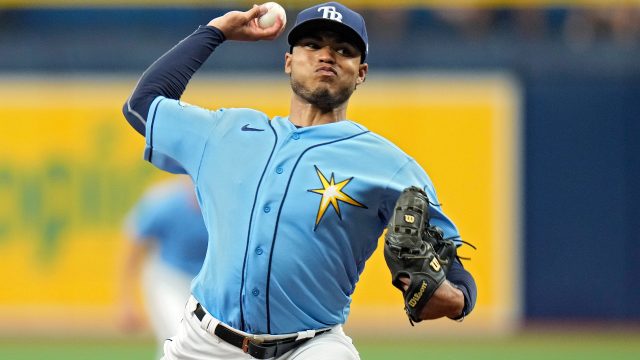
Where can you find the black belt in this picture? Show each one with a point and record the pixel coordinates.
(263, 350)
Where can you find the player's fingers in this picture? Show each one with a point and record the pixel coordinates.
(272, 31)
(281, 25)
(255, 12)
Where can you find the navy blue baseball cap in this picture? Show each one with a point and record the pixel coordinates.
(335, 17)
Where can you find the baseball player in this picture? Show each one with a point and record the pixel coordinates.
(167, 242)
(294, 205)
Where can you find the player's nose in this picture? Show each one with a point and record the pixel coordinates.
(326, 54)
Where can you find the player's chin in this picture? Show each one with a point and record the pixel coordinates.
(326, 81)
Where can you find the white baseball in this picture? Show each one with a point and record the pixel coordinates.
(275, 11)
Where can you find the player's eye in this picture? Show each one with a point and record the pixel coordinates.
(311, 45)
(344, 51)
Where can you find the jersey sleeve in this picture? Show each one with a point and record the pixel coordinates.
(464, 281)
(169, 75)
(411, 174)
(177, 134)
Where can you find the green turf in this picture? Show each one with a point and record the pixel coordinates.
(555, 346)
(547, 347)
(83, 350)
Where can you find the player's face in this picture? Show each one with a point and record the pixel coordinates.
(325, 69)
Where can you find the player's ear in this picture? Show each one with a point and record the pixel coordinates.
(362, 73)
(287, 63)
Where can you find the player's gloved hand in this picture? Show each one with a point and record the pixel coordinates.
(416, 253)
(446, 249)
(243, 25)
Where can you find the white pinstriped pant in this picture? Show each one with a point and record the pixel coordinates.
(165, 290)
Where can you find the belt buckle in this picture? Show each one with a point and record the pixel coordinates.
(245, 344)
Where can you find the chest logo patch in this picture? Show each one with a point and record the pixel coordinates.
(332, 194)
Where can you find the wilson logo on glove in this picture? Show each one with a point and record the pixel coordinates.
(435, 265)
(418, 295)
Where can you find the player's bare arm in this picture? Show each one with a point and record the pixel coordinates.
(134, 255)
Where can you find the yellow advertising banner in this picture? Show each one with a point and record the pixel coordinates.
(71, 168)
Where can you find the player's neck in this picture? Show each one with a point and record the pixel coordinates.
(305, 114)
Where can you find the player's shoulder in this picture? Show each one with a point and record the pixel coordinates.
(230, 118)
(222, 112)
(384, 146)
(244, 113)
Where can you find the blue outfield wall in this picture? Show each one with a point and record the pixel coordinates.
(582, 156)
(581, 124)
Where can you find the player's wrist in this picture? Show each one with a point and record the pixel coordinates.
(457, 301)
(219, 24)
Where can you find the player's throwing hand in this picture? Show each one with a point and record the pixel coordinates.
(243, 26)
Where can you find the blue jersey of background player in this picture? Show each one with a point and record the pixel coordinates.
(166, 244)
(294, 204)
(169, 216)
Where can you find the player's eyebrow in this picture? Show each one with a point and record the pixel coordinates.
(330, 36)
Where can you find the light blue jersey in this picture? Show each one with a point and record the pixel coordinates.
(293, 213)
(168, 215)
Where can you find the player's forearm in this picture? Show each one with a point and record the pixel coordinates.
(134, 255)
(447, 301)
(169, 75)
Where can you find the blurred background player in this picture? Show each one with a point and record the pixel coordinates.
(166, 245)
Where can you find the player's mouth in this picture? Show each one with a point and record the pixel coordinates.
(326, 71)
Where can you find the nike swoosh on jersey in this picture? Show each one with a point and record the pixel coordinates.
(247, 128)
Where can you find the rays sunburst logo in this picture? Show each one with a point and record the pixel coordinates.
(332, 194)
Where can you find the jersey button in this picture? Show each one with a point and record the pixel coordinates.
(266, 209)
(279, 170)
(255, 292)
(259, 251)
(295, 136)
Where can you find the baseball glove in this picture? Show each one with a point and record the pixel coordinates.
(416, 251)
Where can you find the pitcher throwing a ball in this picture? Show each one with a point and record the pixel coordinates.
(294, 205)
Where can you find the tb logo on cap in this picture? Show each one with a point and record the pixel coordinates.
(329, 12)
